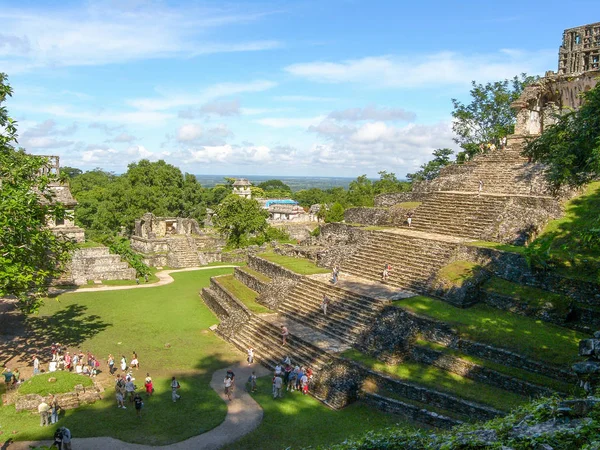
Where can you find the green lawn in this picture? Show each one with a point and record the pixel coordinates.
(167, 327)
(458, 272)
(482, 323)
(243, 293)
(498, 246)
(152, 278)
(442, 380)
(297, 421)
(299, 265)
(260, 276)
(507, 370)
(409, 205)
(526, 294)
(65, 381)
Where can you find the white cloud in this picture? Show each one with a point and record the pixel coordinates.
(304, 98)
(58, 37)
(372, 112)
(289, 122)
(43, 135)
(439, 69)
(189, 132)
(122, 137)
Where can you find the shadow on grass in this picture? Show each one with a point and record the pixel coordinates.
(71, 326)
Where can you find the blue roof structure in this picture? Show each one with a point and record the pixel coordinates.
(287, 201)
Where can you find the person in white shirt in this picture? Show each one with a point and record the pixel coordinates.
(174, 386)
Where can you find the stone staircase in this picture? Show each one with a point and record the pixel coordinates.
(182, 252)
(97, 263)
(415, 261)
(348, 314)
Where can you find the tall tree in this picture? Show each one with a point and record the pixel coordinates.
(489, 116)
(388, 183)
(30, 254)
(431, 169)
(360, 192)
(571, 147)
(237, 218)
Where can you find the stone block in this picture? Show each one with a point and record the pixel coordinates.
(79, 388)
(88, 397)
(586, 347)
(29, 402)
(69, 400)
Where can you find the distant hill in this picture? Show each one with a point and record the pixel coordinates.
(296, 183)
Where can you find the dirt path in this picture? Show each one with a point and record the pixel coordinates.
(244, 414)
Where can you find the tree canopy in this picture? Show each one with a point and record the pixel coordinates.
(571, 147)
(30, 254)
(431, 169)
(237, 218)
(488, 117)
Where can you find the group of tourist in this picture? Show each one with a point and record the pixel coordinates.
(291, 378)
(125, 389)
(11, 378)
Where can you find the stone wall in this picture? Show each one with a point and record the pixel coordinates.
(297, 231)
(368, 216)
(233, 313)
(387, 200)
(250, 280)
(271, 269)
(341, 241)
(97, 263)
(282, 282)
(68, 400)
(310, 252)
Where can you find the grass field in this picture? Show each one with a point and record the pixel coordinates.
(65, 381)
(482, 323)
(299, 265)
(168, 327)
(297, 421)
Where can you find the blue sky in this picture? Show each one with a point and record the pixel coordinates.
(328, 88)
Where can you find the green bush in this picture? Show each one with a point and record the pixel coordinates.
(122, 247)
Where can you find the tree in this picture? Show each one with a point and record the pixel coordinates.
(70, 172)
(360, 192)
(571, 147)
(488, 117)
(275, 185)
(30, 254)
(237, 217)
(335, 213)
(431, 169)
(388, 183)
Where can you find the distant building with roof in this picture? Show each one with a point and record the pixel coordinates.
(241, 187)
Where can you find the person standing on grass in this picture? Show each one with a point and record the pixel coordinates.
(137, 400)
(120, 399)
(304, 382)
(111, 364)
(129, 389)
(174, 386)
(123, 363)
(148, 385)
(134, 361)
(36, 365)
(53, 409)
(277, 386)
(44, 410)
(284, 334)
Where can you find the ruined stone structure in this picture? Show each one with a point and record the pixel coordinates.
(62, 193)
(97, 263)
(580, 50)
(175, 242)
(241, 187)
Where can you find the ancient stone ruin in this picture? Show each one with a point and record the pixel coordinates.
(175, 242)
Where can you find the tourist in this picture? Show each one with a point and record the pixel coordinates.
(137, 400)
(75, 360)
(278, 369)
(146, 277)
(36, 365)
(324, 304)
(68, 361)
(174, 386)
(252, 382)
(291, 385)
(228, 382)
(53, 409)
(134, 361)
(299, 376)
(8, 376)
(503, 142)
(43, 409)
(58, 439)
(385, 274)
(137, 280)
(16, 378)
(284, 334)
(129, 389)
(66, 438)
(123, 363)
(250, 356)
(148, 385)
(335, 274)
(480, 187)
(277, 385)
(287, 371)
(409, 218)
(111, 364)
(304, 383)
(120, 399)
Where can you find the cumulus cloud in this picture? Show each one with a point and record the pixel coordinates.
(193, 133)
(220, 108)
(122, 137)
(245, 154)
(189, 132)
(372, 112)
(289, 122)
(45, 135)
(438, 69)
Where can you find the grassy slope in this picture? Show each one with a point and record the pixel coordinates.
(441, 380)
(65, 382)
(261, 276)
(529, 337)
(296, 421)
(243, 293)
(299, 265)
(143, 320)
(458, 272)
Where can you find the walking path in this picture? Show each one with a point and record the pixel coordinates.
(244, 414)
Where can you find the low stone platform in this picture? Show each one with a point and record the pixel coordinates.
(407, 231)
(310, 335)
(362, 286)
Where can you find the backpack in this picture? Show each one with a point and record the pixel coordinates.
(58, 435)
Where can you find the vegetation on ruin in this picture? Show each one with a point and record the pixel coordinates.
(299, 421)
(260, 276)
(431, 169)
(515, 372)
(571, 147)
(529, 337)
(441, 380)
(65, 382)
(497, 433)
(300, 266)
(458, 272)
(31, 254)
(498, 246)
(243, 293)
(488, 117)
(571, 245)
